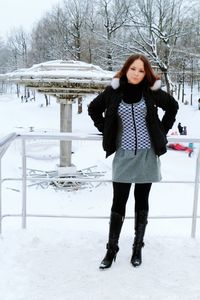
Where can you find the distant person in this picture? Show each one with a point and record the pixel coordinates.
(180, 128)
(199, 104)
(184, 130)
(126, 114)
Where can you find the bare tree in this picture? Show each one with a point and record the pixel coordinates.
(76, 12)
(44, 45)
(4, 57)
(18, 43)
(158, 25)
(59, 34)
(106, 23)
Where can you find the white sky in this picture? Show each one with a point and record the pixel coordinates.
(16, 13)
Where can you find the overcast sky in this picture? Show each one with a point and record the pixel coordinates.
(16, 13)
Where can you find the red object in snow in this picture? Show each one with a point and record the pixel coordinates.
(180, 147)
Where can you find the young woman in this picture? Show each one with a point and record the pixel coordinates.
(127, 114)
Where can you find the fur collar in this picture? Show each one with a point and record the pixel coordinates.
(115, 83)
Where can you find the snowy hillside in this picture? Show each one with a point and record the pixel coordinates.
(58, 259)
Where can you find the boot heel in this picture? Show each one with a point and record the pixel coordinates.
(108, 260)
(114, 258)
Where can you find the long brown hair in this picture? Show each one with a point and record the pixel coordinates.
(150, 76)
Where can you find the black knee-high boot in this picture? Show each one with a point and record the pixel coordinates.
(116, 222)
(140, 226)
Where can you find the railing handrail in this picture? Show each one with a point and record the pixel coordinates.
(65, 136)
(94, 136)
(70, 136)
(5, 142)
(6, 139)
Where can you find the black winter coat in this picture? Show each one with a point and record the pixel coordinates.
(104, 112)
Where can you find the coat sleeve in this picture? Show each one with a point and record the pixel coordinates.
(170, 107)
(96, 110)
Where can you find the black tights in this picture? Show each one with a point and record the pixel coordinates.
(121, 194)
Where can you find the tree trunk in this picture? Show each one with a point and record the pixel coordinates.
(167, 81)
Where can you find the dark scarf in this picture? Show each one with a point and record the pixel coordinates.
(132, 93)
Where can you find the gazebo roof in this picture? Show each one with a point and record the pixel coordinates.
(63, 79)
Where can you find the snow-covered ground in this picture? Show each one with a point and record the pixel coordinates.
(58, 259)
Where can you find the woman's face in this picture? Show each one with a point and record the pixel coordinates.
(136, 72)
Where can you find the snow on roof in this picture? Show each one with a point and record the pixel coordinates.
(60, 69)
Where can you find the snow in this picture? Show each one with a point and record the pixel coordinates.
(61, 69)
(59, 258)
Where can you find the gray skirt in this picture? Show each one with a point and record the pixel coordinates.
(142, 167)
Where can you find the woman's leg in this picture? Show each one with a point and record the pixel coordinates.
(141, 193)
(120, 197)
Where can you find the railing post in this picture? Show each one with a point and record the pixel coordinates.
(24, 183)
(0, 199)
(196, 195)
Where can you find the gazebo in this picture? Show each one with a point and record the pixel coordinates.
(67, 81)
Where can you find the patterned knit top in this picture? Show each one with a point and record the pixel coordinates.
(134, 130)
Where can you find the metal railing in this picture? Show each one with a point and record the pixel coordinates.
(5, 142)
